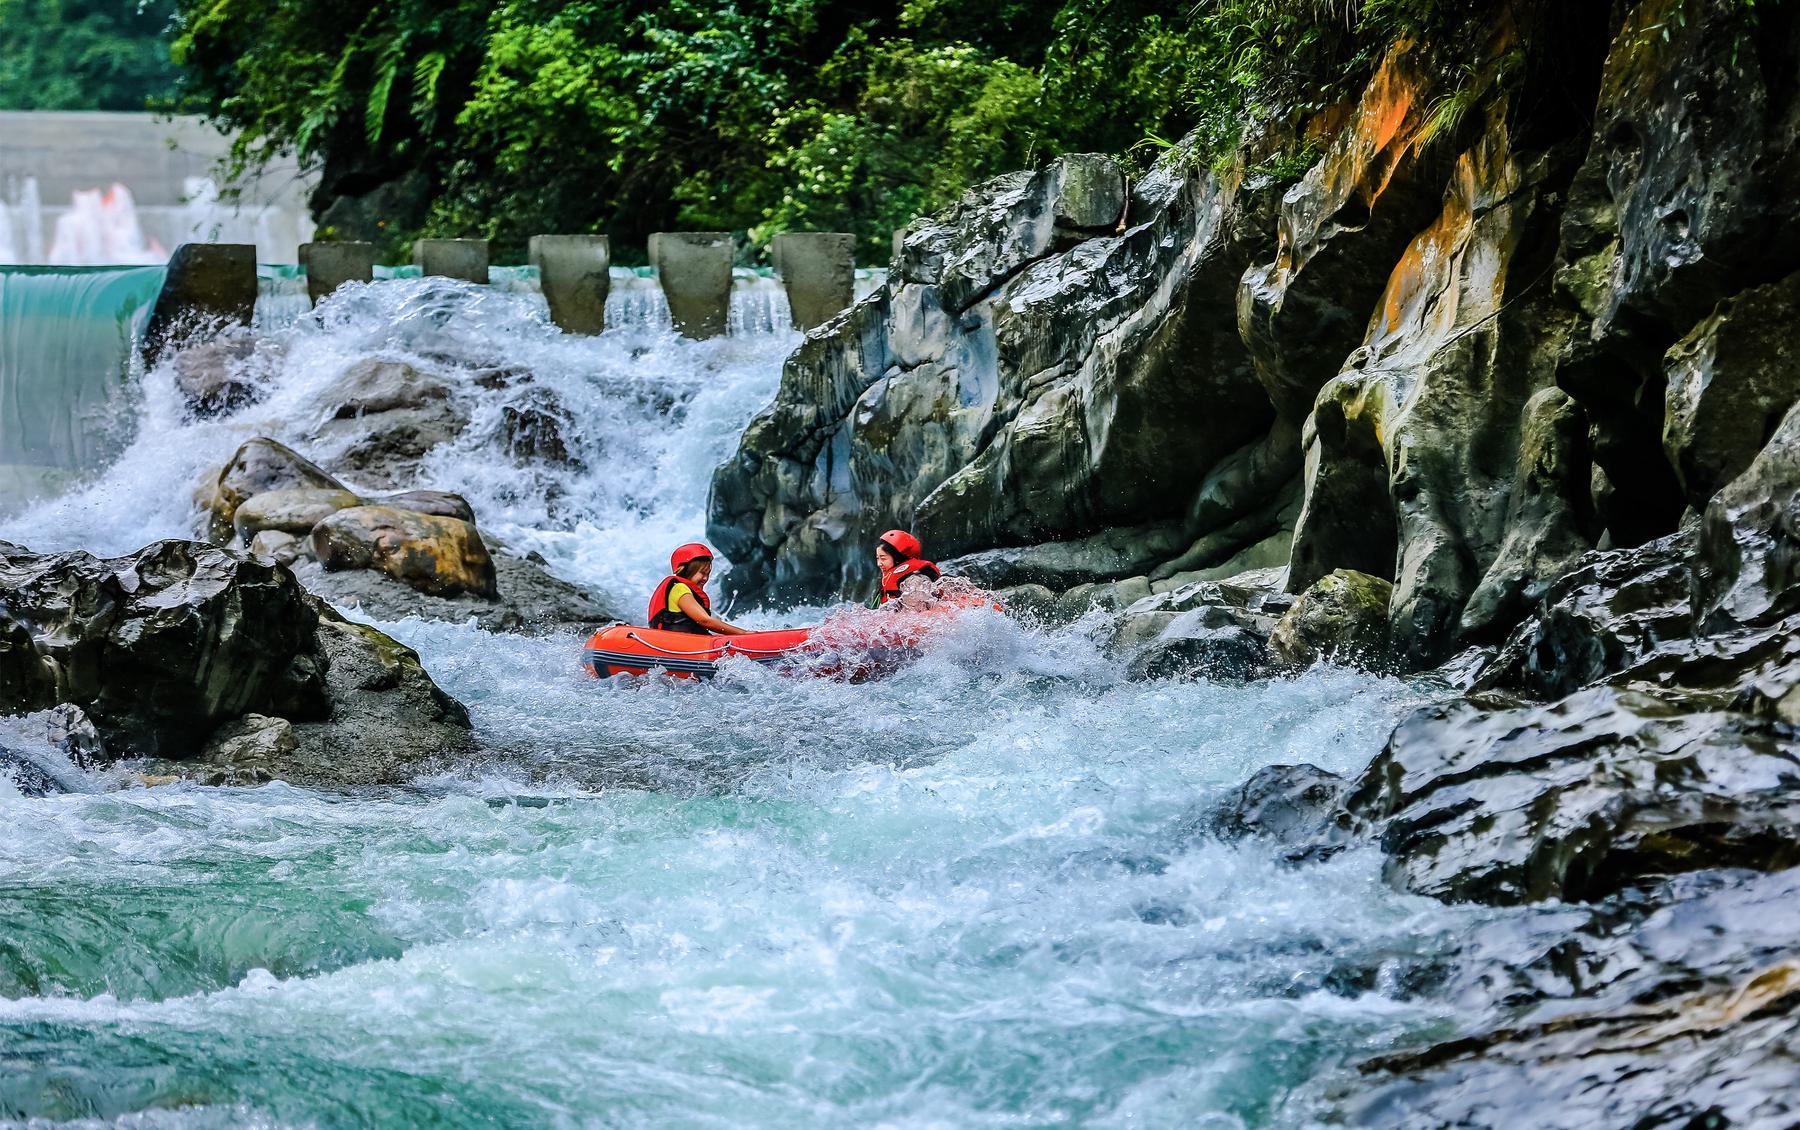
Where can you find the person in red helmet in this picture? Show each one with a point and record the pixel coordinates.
(680, 603)
(906, 577)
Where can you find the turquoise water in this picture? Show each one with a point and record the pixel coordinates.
(975, 894)
(971, 897)
(65, 351)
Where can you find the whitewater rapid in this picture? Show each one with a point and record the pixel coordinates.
(975, 894)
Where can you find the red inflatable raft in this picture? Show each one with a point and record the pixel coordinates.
(852, 643)
(627, 650)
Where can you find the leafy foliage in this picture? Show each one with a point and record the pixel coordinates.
(84, 54)
(505, 118)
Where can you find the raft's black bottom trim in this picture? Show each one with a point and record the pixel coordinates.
(598, 661)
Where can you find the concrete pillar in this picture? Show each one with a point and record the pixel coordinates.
(694, 268)
(574, 271)
(208, 287)
(330, 265)
(819, 271)
(465, 259)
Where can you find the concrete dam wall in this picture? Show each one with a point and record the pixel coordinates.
(94, 188)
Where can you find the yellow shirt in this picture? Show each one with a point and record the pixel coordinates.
(676, 591)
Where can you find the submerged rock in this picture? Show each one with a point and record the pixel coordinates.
(1297, 806)
(221, 375)
(1203, 651)
(1206, 629)
(44, 753)
(382, 417)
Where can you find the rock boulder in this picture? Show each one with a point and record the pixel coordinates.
(1342, 618)
(259, 465)
(436, 555)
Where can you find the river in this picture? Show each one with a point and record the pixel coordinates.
(974, 894)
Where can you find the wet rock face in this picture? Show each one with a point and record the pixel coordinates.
(436, 555)
(1341, 228)
(1434, 419)
(1614, 609)
(1749, 550)
(1676, 1010)
(1722, 1055)
(1549, 518)
(1006, 388)
(160, 646)
(1687, 197)
(1579, 799)
(1730, 382)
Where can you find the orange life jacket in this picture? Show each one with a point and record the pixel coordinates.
(911, 567)
(665, 621)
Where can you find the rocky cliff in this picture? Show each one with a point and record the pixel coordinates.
(1528, 301)
(1505, 386)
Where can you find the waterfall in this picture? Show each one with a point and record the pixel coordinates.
(66, 348)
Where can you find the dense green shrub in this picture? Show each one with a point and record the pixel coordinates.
(508, 117)
(84, 54)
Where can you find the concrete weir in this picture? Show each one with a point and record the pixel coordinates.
(330, 265)
(574, 272)
(208, 286)
(694, 268)
(465, 259)
(819, 271)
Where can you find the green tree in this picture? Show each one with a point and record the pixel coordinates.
(505, 118)
(85, 54)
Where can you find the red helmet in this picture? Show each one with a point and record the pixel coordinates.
(692, 551)
(902, 544)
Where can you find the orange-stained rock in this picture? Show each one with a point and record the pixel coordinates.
(1413, 460)
(431, 553)
(1339, 231)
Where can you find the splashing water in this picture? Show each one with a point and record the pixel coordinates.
(973, 894)
(645, 416)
